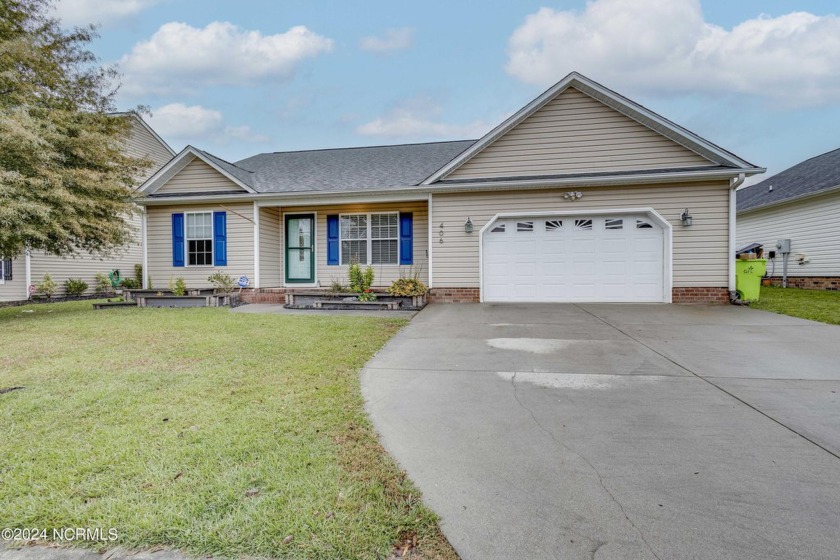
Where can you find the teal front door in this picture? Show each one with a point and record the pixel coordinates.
(300, 249)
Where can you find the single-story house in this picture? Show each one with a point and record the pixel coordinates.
(18, 273)
(801, 204)
(580, 196)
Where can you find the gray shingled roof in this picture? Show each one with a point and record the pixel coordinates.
(345, 169)
(809, 177)
(246, 176)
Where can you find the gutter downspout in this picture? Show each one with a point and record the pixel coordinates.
(27, 258)
(734, 183)
(145, 246)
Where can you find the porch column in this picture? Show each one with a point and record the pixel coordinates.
(256, 245)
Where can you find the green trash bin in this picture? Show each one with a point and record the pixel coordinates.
(748, 275)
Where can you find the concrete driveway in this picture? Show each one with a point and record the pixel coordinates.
(617, 431)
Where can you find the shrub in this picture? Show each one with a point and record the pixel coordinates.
(405, 287)
(367, 295)
(131, 284)
(338, 287)
(222, 282)
(47, 286)
(360, 281)
(408, 284)
(138, 275)
(178, 286)
(75, 287)
(103, 285)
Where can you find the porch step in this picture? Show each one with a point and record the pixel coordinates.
(340, 304)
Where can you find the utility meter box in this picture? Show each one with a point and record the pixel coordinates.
(783, 245)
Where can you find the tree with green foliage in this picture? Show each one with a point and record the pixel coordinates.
(65, 182)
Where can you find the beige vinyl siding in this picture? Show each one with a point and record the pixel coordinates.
(240, 244)
(271, 249)
(198, 176)
(812, 225)
(86, 265)
(143, 144)
(14, 289)
(700, 251)
(384, 274)
(574, 133)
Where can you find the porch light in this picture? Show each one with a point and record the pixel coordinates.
(686, 218)
(468, 226)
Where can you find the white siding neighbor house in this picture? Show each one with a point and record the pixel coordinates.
(579, 196)
(17, 274)
(801, 204)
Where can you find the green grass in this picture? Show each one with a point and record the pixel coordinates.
(816, 305)
(158, 423)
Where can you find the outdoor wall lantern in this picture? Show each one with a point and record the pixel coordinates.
(686, 218)
(468, 226)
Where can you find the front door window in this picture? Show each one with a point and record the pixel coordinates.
(300, 248)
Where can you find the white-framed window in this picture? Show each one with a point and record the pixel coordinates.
(370, 238)
(199, 238)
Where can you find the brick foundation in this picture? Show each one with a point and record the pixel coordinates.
(454, 295)
(700, 295)
(264, 295)
(809, 282)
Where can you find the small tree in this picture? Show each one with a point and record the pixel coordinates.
(65, 180)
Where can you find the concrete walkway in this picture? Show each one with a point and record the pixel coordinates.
(617, 431)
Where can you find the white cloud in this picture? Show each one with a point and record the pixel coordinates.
(393, 40)
(419, 118)
(83, 12)
(179, 57)
(652, 46)
(198, 125)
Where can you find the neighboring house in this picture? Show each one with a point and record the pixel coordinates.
(576, 197)
(801, 204)
(24, 270)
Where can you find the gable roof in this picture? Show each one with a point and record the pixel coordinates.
(812, 176)
(241, 177)
(373, 168)
(715, 154)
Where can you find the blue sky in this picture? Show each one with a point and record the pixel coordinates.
(760, 78)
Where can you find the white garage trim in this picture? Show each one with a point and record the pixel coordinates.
(668, 235)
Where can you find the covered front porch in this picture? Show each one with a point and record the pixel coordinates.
(308, 246)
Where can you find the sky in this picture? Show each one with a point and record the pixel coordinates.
(760, 78)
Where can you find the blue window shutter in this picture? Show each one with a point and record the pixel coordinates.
(406, 238)
(219, 239)
(7, 269)
(177, 240)
(332, 240)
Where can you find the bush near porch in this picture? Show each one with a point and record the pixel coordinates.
(203, 430)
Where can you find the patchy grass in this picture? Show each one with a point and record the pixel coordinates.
(202, 430)
(816, 305)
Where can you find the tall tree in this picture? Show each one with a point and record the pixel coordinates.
(65, 180)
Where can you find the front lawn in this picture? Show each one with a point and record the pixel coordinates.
(203, 430)
(816, 305)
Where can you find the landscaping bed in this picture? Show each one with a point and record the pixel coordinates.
(323, 299)
(211, 432)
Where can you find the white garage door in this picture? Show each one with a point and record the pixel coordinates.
(581, 258)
